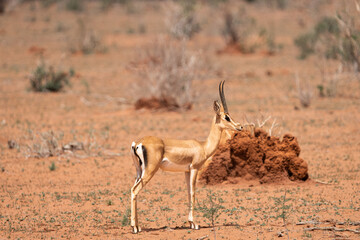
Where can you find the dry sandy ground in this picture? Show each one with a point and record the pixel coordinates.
(87, 195)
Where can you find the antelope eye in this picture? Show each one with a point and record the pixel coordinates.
(227, 118)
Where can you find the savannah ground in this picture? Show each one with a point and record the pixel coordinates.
(86, 194)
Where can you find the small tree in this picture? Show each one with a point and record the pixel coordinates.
(211, 208)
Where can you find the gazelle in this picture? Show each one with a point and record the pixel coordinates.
(151, 153)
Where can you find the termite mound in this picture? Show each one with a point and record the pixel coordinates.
(257, 156)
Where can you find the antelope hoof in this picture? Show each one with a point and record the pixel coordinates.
(194, 226)
(136, 229)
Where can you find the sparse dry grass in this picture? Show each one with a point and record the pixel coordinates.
(304, 91)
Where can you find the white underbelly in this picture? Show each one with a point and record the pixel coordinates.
(167, 165)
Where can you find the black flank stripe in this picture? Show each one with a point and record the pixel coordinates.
(145, 155)
(137, 156)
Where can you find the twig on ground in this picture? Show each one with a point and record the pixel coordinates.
(307, 222)
(328, 222)
(331, 229)
(318, 181)
(203, 237)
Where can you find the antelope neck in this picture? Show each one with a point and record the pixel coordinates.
(213, 139)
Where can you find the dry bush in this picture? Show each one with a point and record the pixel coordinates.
(237, 26)
(85, 39)
(41, 145)
(241, 33)
(166, 71)
(330, 80)
(337, 80)
(304, 91)
(181, 19)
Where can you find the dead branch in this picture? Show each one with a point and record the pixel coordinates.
(274, 124)
(307, 222)
(248, 123)
(328, 222)
(318, 181)
(203, 237)
(331, 229)
(263, 123)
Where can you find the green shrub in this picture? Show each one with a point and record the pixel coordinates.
(211, 207)
(327, 25)
(331, 40)
(106, 4)
(52, 167)
(47, 3)
(306, 44)
(126, 218)
(46, 79)
(324, 36)
(75, 5)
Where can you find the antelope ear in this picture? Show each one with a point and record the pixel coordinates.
(217, 107)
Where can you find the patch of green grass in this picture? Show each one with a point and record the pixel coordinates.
(126, 218)
(52, 167)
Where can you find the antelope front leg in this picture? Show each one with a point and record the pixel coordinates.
(191, 182)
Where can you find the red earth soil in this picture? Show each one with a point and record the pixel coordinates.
(164, 103)
(261, 156)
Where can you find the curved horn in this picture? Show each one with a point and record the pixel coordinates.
(222, 96)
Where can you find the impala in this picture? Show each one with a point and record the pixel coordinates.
(151, 153)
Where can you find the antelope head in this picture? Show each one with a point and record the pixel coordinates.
(223, 119)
